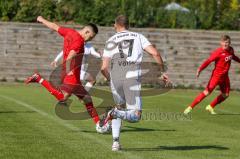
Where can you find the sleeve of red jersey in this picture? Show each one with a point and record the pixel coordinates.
(213, 57)
(77, 46)
(63, 31)
(236, 58)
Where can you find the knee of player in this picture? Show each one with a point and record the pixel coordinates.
(206, 92)
(136, 116)
(225, 95)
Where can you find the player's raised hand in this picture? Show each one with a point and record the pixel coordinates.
(165, 77)
(40, 19)
(166, 80)
(54, 64)
(70, 73)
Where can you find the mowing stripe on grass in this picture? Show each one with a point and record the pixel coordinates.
(69, 126)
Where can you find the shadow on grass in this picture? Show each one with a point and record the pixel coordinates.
(135, 129)
(178, 148)
(9, 112)
(227, 114)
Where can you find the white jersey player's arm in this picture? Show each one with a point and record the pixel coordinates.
(58, 56)
(149, 48)
(156, 55)
(54, 63)
(94, 52)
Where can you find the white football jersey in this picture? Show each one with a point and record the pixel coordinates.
(125, 49)
(88, 50)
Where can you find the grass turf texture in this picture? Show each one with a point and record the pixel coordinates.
(29, 128)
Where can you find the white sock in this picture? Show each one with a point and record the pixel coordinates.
(88, 86)
(41, 80)
(116, 126)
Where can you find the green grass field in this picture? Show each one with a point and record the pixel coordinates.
(29, 128)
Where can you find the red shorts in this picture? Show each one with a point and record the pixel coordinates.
(224, 84)
(77, 90)
(72, 85)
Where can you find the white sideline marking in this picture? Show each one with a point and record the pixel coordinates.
(69, 126)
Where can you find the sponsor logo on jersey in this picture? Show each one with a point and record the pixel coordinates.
(228, 58)
(125, 63)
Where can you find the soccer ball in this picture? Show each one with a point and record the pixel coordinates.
(104, 129)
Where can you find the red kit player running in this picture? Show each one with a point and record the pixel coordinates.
(73, 50)
(222, 57)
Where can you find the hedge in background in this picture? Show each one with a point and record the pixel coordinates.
(204, 14)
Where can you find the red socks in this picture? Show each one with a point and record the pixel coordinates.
(57, 93)
(92, 112)
(198, 99)
(201, 96)
(217, 100)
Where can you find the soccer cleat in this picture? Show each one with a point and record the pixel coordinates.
(187, 110)
(116, 146)
(107, 116)
(34, 78)
(210, 109)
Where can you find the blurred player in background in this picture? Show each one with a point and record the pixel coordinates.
(73, 50)
(222, 58)
(124, 52)
(84, 75)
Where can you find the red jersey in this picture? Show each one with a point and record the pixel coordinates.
(72, 41)
(222, 59)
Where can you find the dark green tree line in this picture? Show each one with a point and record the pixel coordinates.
(204, 14)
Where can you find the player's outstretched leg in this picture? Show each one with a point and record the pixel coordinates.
(216, 101)
(86, 98)
(128, 115)
(197, 100)
(36, 78)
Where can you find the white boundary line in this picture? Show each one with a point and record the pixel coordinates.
(69, 126)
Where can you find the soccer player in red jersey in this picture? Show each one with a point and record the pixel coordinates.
(73, 50)
(222, 57)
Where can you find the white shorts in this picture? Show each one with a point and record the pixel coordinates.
(83, 75)
(127, 92)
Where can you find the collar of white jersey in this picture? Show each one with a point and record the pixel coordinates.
(124, 31)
